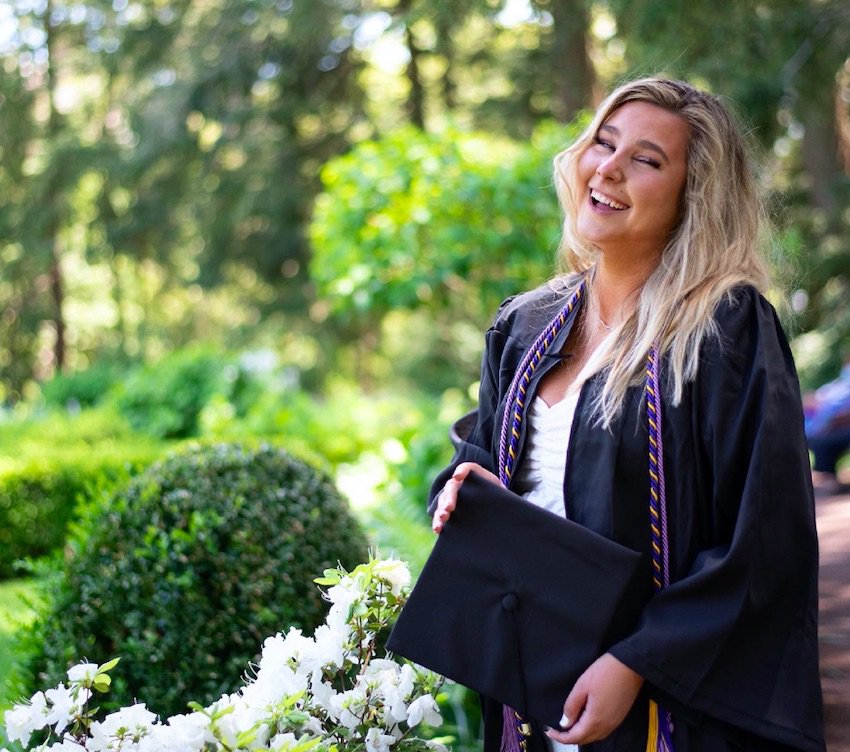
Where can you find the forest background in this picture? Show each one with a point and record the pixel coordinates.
(293, 219)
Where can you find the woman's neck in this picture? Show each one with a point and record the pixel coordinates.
(615, 289)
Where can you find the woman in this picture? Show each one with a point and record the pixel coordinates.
(661, 236)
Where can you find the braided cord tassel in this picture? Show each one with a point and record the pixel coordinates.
(515, 729)
(515, 403)
(660, 737)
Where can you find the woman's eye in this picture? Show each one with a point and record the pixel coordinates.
(604, 144)
(649, 161)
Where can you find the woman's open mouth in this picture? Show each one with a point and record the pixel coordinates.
(598, 198)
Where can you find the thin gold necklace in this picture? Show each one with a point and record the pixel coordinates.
(598, 315)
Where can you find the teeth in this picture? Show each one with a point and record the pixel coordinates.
(596, 196)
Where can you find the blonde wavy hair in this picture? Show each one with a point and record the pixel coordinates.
(716, 245)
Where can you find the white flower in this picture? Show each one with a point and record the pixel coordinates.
(269, 688)
(405, 680)
(62, 709)
(378, 742)
(395, 709)
(395, 572)
(280, 651)
(183, 733)
(313, 726)
(424, 708)
(322, 692)
(22, 720)
(127, 724)
(295, 673)
(328, 648)
(283, 741)
(344, 592)
(347, 707)
(436, 746)
(343, 597)
(65, 745)
(243, 716)
(82, 672)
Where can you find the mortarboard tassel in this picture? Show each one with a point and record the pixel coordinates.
(660, 737)
(515, 731)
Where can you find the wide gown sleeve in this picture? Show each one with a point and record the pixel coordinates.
(735, 634)
(477, 446)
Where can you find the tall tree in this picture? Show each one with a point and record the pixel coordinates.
(571, 67)
(43, 161)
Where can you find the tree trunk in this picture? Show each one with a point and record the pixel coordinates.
(572, 68)
(842, 115)
(416, 98)
(445, 46)
(57, 287)
(57, 291)
(821, 157)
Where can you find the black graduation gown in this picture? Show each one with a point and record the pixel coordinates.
(730, 648)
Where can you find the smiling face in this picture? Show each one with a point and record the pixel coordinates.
(630, 181)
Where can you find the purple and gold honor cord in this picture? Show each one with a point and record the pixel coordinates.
(660, 737)
(660, 734)
(516, 401)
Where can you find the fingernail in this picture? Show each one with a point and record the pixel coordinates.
(564, 722)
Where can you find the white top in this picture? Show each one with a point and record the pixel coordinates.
(540, 476)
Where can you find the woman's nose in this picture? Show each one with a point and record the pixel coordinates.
(609, 168)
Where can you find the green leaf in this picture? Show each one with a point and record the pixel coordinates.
(306, 745)
(102, 682)
(246, 737)
(108, 666)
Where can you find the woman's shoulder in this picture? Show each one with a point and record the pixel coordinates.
(740, 303)
(747, 329)
(743, 310)
(527, 313)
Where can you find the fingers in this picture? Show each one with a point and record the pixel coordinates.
(574, 719)
(465, 468)
(447, 500)
(599, 701)
(446, 503)
(575, 705)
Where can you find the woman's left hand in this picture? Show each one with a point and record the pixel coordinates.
(599, 701)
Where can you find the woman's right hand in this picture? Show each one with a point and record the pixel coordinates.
(447, 499)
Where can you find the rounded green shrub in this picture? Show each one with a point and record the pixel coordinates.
(186, 570)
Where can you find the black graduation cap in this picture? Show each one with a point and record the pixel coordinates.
(516, 602)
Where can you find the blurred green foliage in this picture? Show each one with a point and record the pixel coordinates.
(419, 236)
(161, 161)
(84, 388)
(165, 399)
(453, 221)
